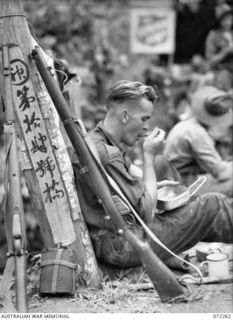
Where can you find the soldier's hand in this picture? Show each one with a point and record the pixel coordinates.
(154, 141)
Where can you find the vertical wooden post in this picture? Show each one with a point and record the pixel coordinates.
(45, 162)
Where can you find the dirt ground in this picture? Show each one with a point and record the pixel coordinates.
(210, 299)
(121, 292)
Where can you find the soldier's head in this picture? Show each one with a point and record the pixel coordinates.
(129, 108)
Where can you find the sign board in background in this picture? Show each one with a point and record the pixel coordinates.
(152, 30)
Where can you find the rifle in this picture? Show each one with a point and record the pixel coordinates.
(14, 212)
(160, 275)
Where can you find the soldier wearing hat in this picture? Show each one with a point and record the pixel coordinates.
(190, 147)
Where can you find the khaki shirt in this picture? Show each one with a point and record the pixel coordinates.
(192, 151)
(116, 163)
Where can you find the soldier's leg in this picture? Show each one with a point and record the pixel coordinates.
(207, 218)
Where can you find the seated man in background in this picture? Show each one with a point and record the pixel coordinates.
(191, 148)
(207, 218)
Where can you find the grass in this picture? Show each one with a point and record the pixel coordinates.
(119, 294)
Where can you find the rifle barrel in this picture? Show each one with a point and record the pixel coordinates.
(14, 211)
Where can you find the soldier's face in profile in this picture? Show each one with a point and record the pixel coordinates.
(136, 121)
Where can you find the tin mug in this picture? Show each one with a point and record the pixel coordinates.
(217, 265)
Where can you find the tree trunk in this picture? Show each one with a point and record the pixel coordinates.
(44, 158)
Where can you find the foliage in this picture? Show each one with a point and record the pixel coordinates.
(67, 27)
(58, 22)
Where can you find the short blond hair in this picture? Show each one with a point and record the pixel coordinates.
(130, 90)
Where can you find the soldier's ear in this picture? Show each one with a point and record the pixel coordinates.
(124, 116)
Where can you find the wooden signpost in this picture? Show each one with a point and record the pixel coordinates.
(43, 155)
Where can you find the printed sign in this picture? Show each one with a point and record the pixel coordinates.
(152, 30)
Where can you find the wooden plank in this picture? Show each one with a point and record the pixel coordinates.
(51, 120)
(40, 150)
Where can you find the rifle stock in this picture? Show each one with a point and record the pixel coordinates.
(163, 279)
(19, 249)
